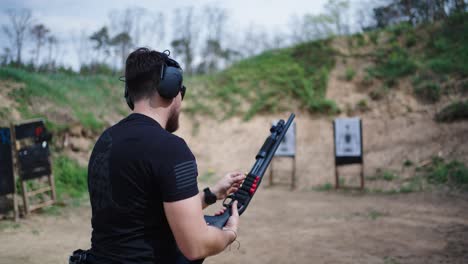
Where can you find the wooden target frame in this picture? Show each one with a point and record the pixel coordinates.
(32, 163)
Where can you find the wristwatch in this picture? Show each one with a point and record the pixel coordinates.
(210, 197)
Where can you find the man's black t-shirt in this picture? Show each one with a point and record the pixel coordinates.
(135, 166)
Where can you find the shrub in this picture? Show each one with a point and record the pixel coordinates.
(407, 163)
(453, 173)
(400, 28)
(362, 105)
(392, 64)
(361, 40)
(441, 65)
(447, 50)
(453, 112)
(412, 184)
(378, 93)
(324, 187)
(374, 37)
(350, 73)
(428, 91)
(411, 40)
(70, 178)
(388, 176)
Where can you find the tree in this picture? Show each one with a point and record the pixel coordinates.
(101, 39)
(20, 21)
(319, 26)
(253, 41)
(6, 57)
(337, 14)
(122, 42)
(213, 53)
(52, 43)
(156, 29)
(364, 14)
(83, 47)
(132, 21)
(187, 31)
(459, 5)
(39, 33)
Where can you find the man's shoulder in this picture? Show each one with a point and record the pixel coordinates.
(173, 147)
(171, 140)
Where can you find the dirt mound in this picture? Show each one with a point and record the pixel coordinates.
(397, 129)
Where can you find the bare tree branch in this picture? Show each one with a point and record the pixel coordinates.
(19, 22)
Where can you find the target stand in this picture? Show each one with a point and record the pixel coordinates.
(347, 134)
(286, 150)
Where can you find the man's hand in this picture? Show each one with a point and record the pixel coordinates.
(233, 222)
(228, 184)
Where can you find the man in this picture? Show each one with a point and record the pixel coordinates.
(143, 179)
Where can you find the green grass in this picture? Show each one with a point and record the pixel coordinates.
(389, 176)
(452, 173)
(447, 48)
(392, 63)
(269, 82)
(6, 224)
(362, 105)
(378, 93)
(374, 37)
(385, 175)
(413, 184)
(374, 214)
(324, 187)
(350, 73)
(437, 53)
(455, 111)
(70, 178)
(390, 260)
(85, 97)
(428, 91)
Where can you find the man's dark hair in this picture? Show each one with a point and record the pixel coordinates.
(142, 73)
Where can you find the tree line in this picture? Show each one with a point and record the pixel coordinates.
(201, 38)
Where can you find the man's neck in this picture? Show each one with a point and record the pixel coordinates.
(159, 114)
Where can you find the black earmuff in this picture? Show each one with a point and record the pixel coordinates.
(170, 82)
(171, 78)
(128, 99)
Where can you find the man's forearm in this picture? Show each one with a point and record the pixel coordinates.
(202, 200)
(212, 242)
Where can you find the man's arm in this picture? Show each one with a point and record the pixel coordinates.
(194, 237)
(202, 200)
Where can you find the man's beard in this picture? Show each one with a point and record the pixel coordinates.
(173, 122)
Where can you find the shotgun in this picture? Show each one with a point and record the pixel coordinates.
(253, 179)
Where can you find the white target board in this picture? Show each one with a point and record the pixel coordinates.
(348, 137)
(287, 147)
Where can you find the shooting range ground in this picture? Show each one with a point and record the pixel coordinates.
(289, 227)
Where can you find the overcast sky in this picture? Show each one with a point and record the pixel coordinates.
(64, 17)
